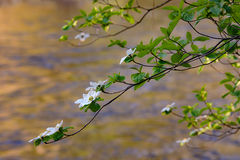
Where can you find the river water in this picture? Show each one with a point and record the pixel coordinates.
(41, 78)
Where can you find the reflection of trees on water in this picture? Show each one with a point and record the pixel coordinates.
(5, 2)
(60, 3)
(69, 5)
(10, 2)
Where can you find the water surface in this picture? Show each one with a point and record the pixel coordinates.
(41, 78)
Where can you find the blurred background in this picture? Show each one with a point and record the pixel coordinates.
(40, 79)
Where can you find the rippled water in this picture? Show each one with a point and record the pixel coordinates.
(41, 78)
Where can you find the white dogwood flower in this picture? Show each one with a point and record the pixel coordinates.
(49, 131)
(168, 108)
(183, 141)
(87, 98)
(94, 85)
(52, 130)
(82, 36)
(128, 52)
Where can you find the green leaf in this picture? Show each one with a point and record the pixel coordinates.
(236, 93)
(223, 24)
(173, 15)
(189, 36)
(143, 53)
(116, 78)
(129, 4)
(84, 14)
(154, 43)
(216, 126)
(138, 77)
(215, 10)
(156, 70)
(63, 38)
(174, 8)
(201, 95)
(187, 65)
(129, 59)
(164, 31)
(119, 78)
(238, 120)
(158, 77)
(129, 18)
(94, 107)
(105, 27)
(149, 60)
(137, 10)
(168, 46)
(194, 47)
(233, 30)
(201, 38)
(46, 138)
(65, 129)
(175, 58)
(235, 11)
(108, 84)
(139, 85)
(172, 25)
(37, 142)
(229, 87)
(57, 136)
(181, 4)
(224, 81)
(229, 75)
(200, 69)
(230, 47)
(121, 44)
(188, 15)
(196, 112)
(183, 42)
(65, 27)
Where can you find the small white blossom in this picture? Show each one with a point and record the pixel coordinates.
(168, 108)
(183, 141)
(199, 131)
(49, 131)
(52, 130)
(87, 98)
(201, 117)
(94, 85)
(128, 52)
(82, 36)
(196, 131)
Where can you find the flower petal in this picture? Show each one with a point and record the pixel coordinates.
(122, 60)
(79, 101)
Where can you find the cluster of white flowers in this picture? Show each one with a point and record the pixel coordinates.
(87, 98)
(128, 52)
(168, 108)
(92, 94)
(49, 131)
(82, 36)
(183, 141)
